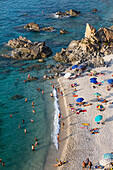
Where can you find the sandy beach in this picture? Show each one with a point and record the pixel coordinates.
(80, 143)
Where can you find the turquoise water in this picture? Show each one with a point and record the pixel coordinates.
(15, 145)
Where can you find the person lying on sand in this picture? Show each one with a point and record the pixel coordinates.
(59, 164)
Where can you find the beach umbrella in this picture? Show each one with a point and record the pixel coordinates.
(93, 81)
(105, 161)
(97, 94)
(108, 155)
(67, 75)
(98, 118)
(93, 78)
(100, 106)
(110, 81)
(75, 66)
(79, 99)
(80, 67)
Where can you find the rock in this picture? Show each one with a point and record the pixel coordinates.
(63, 31)
(94, 10)
(48, 28)
(26, 50)
(60, 67)
(32, 27)
(61, 14)
(89, 31)
(50, 66)
(16, 97)
(73, 13)
(105, 35)
(6, 56)
(32, 78)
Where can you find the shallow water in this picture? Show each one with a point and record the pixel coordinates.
(15, 145)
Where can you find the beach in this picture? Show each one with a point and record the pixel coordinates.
(81, 144)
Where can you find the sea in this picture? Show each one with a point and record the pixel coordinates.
(15, 145)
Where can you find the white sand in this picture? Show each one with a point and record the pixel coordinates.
(81, 143)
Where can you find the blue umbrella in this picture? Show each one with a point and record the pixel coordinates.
(98, 118)
(110, 81)
(108, 155)
(75, 66)
(94, 78)
(79, 100)
(80, 67)
(93, 81)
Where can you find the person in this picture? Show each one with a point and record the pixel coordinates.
(33, 148)
(61, 94)
(83, 164)
(45, 76)
(31, 120)
(51, 94)
(38, 89)
(53, 86)
(86, 161)
(36, 139)
(25, 99)
(3, 164)
(0, 161)
(10, 115)
(36, 143)
(63, 125)
(89, 165)
(42, 91)
(23, 121)
(33, 111)
(58, 138)
(25, 131)
(58, 90)
(59, 115)
(33, 103)
(19, 126)
(59, 164)
(28, 76)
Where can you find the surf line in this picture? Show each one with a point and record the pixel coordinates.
(56, 121)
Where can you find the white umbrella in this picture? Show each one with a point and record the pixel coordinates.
(105, 161)
(67, 75)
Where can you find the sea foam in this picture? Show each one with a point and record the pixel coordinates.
(56, 121)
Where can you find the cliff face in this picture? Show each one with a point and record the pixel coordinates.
(92, 48)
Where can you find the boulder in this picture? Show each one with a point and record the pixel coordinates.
(41, 60)
(63, 31)
(48, 28)
(105, 35)
(90, 30)
(32, 26)
(73, 13)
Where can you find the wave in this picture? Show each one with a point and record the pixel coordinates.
(56, 122)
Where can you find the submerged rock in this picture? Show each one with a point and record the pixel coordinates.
(32, 27)
(63, 31)
(16, 97)
(71, 12)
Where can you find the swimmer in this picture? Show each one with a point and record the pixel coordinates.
(36, 143)
(33, 148)
(63, 125)
(3, 164)
(61, 94)
(42, 91)
(25, 99)
(38, 89)
(23, 121)
(10, 115)
(53, 86)
(33, 103)
(45, 76)
(51, 94)
(28, 76)
(58, 138)
(19, 126)
(51, 82)
(36, 139)
(32, 120)
(25, 131)
(0, 161)
(58, 90)
(33, 111)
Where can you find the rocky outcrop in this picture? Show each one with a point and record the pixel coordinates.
(91, 49)
(27, 50)
(71, 13)
(35, 27)
(63, 31)
(32, 27)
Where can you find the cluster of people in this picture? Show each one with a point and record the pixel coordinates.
(1, 162)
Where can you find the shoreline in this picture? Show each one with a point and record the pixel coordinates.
(80, 143)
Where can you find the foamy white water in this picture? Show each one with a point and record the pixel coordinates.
(56, 121)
